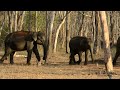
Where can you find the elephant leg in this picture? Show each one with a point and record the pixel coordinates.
(11, 57)
(72, 58)
(116, 56)
(35, 50)
(7, 52)
(29, 56)
(86, 57)
(80, 57)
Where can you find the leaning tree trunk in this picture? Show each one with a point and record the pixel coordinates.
(107, 52)
(57, 32)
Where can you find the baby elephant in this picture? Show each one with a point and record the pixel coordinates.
(78, 45)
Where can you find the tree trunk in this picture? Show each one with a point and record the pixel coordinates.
(21, 20)
(10, 16)
(56, 36)
(36, 21)
(3, 23)
(63, 36)
(29, 26)
(81, 25)
(63, 32)
(107, 51)
(50, 21)
(47, 26)
(67, 31)
(1, 28)
(97, 29)
(15, 22)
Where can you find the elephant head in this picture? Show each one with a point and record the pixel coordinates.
(41, 40)
(86, 44)
(32, 36)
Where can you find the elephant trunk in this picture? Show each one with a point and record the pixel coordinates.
(45, 47)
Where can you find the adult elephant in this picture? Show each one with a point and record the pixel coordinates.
(24, 40)
(78, 45)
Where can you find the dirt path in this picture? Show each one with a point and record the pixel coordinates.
(58, 68)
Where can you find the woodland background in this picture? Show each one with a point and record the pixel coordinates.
(83, 23)
(60, 27)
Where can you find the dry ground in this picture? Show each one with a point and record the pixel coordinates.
(57, 68)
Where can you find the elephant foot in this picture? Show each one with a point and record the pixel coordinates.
(28, 63)
(78, 62)
(39, 63)
(45, 63)
(71, 63)
(11, 63)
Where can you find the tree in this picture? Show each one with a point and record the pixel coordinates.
(107, 52)
(29, 26)
(57, 32)
(36, 21)
(2, 27)
(15, 22)
(81, 23)
(97, 32)
(67, 31)
(49, 20)
(10, 16)
(21, 20)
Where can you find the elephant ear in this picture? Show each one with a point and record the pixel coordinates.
(34, 36)
(31, 36)
(84, 42)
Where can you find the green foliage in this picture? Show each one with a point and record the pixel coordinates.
(41, 21)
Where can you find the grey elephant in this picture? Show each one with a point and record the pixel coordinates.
(24, 40)
(78, 45)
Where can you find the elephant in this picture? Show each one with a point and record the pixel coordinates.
(78, 45)
(24, 40)
(117, 51)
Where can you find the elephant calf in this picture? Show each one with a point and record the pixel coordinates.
(78, 45)
(24, 40)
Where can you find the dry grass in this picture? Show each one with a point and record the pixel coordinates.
(57, 68)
